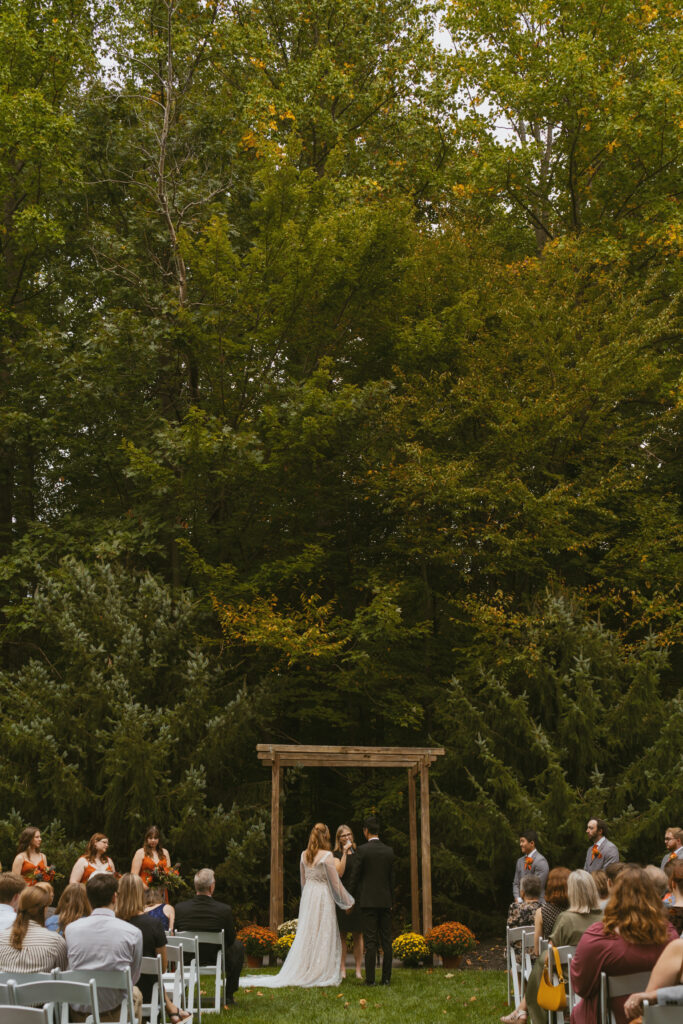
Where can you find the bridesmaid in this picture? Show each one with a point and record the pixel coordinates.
(344, 849)
(94, 859)
(151, 855)
(29, 858)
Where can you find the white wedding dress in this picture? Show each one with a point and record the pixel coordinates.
(315, 956)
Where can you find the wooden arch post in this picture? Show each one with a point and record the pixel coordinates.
(414, 759)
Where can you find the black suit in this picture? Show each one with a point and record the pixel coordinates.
(372, 882)
(205, 914)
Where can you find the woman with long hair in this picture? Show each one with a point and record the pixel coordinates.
(29, 863)
(156, 906)
(130, 906)
(582, 912)
(73, 905)
(630, 938)
(150, 857)
(344, 849)
(315, 956)
(28, 946)
(93, 860)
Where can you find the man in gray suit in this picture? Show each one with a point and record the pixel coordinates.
(602, 852)
(530, 863)
(673, 840)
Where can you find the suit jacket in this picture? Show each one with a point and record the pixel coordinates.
(608, 855)
(539, 867)
(372, 880)
(665, 858)
(205, 914)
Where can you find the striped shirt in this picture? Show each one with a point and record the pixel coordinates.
(41, 951)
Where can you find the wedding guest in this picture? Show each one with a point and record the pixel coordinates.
(603, 851)
(613, 871)
(28, 946)
(150, 857)
(556, 900)
(29, 862)
(101, 942)
(675, 909)
(601, 884)
(10, 888)
(203, 913)
(157, 908)
(524, 913)
(630, 938)
(665, 986)
(344, 850)
(673, 840)
(93, 860)
(130, 906)
(570, 924)
(658, 879)
(73, 905)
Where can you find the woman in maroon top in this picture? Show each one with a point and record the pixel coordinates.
(632, 934)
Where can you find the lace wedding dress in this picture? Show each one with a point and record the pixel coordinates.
(315, 956)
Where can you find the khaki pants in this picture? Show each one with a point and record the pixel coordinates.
(115, 1014)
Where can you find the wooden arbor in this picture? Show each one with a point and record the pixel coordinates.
(414, 759)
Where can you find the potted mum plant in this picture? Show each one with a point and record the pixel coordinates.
(258, 942)
(411, 948)
(450, 941)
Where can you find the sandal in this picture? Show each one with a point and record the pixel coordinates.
(178, 1016)
(516, 1017)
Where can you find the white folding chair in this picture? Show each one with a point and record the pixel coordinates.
(615, 985)
(24, 1015)
(57, 994)
(184, 983)
(653, 1014)
(515, 962)
(24, 979)
(215, 971)
(156, 1007)
(565, 954)
(120, 980)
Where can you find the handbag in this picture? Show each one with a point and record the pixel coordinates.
(552, 997)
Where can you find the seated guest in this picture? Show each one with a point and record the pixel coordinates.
(524, 913)
(666, 981)
(130, 906)
(583, 911)
(10, 888)
(630, 938)
(73, 904)
(600, 879)
(156, 906)
(28, 946)
(102, 942)
(204, 913)
(556, 900)
(675, 909)
(658, 879)
(613, 871)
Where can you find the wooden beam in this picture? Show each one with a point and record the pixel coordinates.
(266, 751)
(276, 866)
(426, 849)
(412, 818)
(342, 762)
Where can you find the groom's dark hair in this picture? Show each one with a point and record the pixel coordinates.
(372, 825)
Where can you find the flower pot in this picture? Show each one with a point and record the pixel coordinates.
(449, 960)
(254, 961)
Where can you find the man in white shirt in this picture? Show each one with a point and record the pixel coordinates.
(10, 887)
(602, 852)
(103, 942)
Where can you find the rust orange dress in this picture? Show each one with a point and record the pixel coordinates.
(148, 867)
(28, 868)
(90, 869)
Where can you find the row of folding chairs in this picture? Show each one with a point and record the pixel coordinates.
(193, 972)
(518, 961)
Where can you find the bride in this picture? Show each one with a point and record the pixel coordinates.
(315, 956)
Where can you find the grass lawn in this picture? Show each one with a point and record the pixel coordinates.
(414, 997)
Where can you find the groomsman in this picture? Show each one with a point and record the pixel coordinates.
(673, 840)
(530, 863)
(602, 852)
(372, 883)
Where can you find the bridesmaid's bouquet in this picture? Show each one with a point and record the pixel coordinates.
(168, 878)
(46, 874)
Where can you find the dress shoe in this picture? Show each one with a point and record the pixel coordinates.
(371, 984)
(385, 983)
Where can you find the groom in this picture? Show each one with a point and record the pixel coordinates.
(372, 883)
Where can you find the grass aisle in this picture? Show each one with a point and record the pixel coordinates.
(415, 997)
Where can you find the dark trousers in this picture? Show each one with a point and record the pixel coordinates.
(234, 958)
(377, 931)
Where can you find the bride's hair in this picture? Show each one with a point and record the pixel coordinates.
(319, 839)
